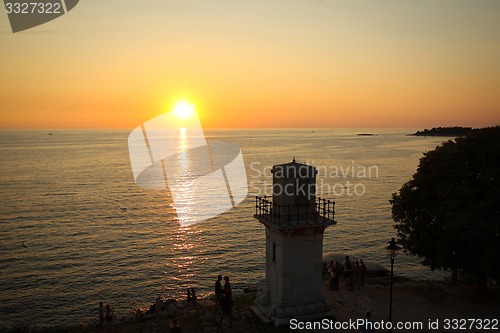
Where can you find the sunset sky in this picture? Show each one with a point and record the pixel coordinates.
(256, 63)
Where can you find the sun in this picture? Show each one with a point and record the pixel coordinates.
(184, 110)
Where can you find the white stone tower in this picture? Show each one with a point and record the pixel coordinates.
(295, 221)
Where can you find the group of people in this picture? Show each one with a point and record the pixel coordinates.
(105, 314)
(191, 295)
(224, 298)
(354, 274)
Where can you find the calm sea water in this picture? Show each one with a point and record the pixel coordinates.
(91, 234)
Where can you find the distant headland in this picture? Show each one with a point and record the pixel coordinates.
(444, 131)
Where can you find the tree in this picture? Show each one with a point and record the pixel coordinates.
(449, 212)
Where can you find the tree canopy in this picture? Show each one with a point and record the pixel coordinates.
(449, 212)
(444, 131)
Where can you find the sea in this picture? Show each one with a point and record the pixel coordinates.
(76, 229)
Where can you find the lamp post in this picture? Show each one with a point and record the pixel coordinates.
(392, 252)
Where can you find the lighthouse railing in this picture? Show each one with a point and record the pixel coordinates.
(321, 210)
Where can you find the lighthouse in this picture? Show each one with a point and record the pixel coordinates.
(295, 220)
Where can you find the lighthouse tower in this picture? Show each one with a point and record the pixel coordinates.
(295, 221)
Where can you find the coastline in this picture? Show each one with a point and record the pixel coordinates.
(413, 301)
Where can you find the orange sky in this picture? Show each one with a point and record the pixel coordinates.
(260, 63)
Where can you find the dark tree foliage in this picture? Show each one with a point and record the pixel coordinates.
(444, 131)
(449, 212)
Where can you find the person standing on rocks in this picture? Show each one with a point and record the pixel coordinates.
(219, 292)
(101, 313)
(227, 308)
(227, 286)
(363, 271)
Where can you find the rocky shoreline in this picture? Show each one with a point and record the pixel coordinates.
(414, 301)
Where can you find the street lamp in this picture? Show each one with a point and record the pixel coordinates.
(392, 252)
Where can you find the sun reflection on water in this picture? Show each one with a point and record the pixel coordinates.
(187, 258)
(184, 178)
